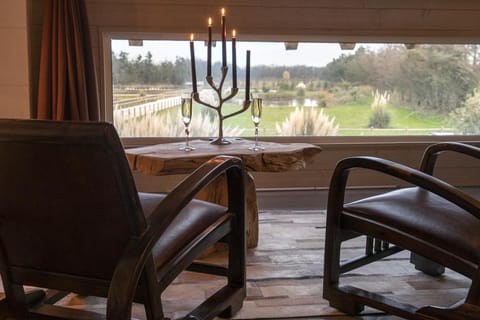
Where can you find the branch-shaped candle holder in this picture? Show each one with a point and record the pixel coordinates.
(221, 99)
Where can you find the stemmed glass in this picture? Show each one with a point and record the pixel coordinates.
(186, 105)
(256, 109)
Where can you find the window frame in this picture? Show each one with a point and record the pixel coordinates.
(376, 141)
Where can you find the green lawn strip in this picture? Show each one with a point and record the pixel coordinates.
(353, 120)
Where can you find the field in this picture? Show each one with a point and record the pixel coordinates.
(352, 118)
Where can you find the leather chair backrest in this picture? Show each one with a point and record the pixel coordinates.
(68, 202)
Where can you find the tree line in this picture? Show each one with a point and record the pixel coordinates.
(432, 77)
(142, 70)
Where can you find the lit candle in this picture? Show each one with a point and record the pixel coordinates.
(209, 50)
(234, 58)
(224, 40)
(192, 59)
(247, 78)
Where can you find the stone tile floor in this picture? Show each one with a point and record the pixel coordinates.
(285, 275)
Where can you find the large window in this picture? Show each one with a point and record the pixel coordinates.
(316, 89)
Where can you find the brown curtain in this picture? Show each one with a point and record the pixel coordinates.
(67, 88)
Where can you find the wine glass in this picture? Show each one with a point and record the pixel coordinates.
(256, 109)
(186, 105)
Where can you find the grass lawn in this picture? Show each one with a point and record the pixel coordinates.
(352, 120)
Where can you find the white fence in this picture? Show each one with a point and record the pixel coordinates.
(146, 108)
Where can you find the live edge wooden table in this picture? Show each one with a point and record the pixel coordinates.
(167, 159)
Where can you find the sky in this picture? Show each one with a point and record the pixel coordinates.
(262, 53)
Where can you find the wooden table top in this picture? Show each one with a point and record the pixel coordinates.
(166, 158)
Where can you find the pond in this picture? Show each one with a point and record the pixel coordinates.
(295, 102)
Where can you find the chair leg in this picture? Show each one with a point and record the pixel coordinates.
(473, 296)
(345, 304)
(336, 298)
(332, 265)
(153, 308)
(427, 266)
(236, 264)
(152, 301)
(35, 297)
(234, 307)
(15, 303)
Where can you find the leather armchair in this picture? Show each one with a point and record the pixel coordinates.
(435, 220)
(71, 220)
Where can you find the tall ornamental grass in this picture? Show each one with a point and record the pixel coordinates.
(380, 118)
(163, 125)
(307, 122)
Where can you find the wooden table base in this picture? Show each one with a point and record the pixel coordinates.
(217, 192)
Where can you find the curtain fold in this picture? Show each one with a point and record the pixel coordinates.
(67, 88)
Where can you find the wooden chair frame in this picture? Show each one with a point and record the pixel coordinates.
(384, 240)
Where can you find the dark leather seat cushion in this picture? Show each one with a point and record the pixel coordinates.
(189, 223)
(426, 216)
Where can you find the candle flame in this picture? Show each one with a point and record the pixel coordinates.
(234, 33)
(223, 11)
(209, 21)
(191, 37)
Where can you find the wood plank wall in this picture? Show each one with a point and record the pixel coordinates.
(14, 81)
(402, 21)
(301, 19)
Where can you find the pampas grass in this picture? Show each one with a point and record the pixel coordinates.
(165, 126)
(307, 122)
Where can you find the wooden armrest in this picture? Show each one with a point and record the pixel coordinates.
(128, 271)
(432, 152)
(413, 176)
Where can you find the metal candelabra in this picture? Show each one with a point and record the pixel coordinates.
(219, 88)
(221, 100)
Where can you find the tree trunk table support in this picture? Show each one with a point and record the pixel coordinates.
(166, 159)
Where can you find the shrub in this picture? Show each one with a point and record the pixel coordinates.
(265, 88)
(379, 120)
(325, 98)
(467, 119)
(307, 122)
(284, 86)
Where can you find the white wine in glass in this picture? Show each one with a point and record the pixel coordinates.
(186, 105)
(256, 109)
